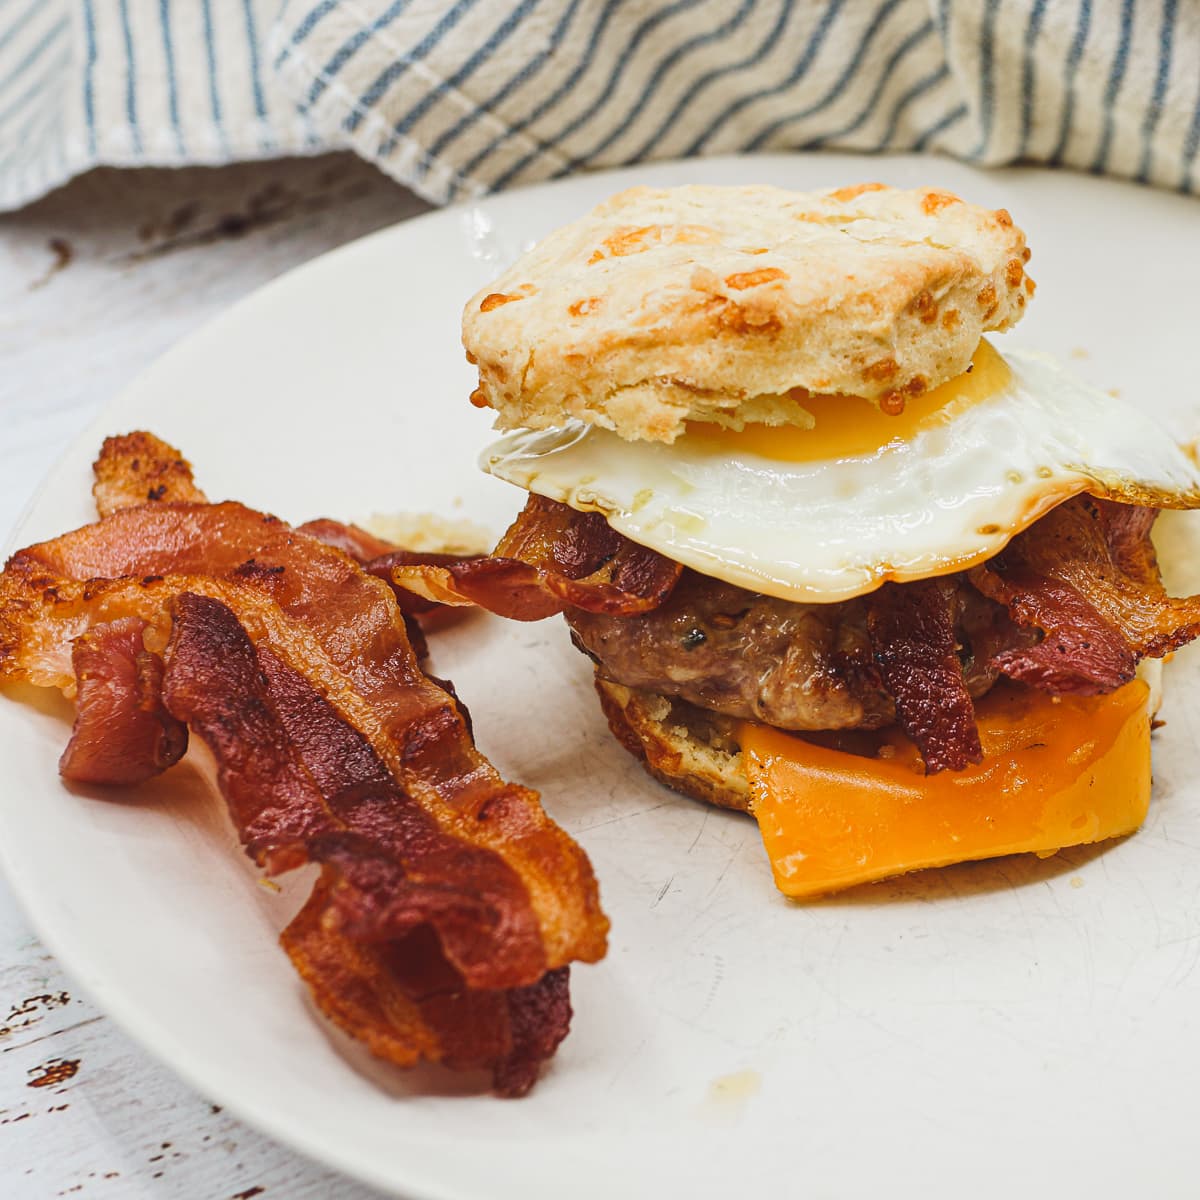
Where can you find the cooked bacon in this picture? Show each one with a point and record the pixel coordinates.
(123, 734)
(1086, 575)
(1127, 532)
(539, 1017)
(551, 558)
(405, 1019)
(302, 785)
(363, 546)
(477, 901)
(359, 543)
(334, 747)
(214, 683)
(138, 468)
(911, 627)
(377, 556)
(1080, 652)
(380, 558)
(339, 627)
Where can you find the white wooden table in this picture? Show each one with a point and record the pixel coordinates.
(95, 282)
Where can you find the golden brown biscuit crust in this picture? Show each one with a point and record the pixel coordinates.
(729, 304)
(643, 723)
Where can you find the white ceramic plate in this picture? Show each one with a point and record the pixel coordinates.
(980, 1030)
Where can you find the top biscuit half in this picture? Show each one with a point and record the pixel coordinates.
(733, 304)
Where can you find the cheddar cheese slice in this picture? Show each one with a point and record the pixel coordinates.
(1056, 771)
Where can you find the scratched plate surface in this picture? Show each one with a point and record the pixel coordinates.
(985, 1025)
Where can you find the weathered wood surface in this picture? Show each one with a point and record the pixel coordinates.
(95, 282)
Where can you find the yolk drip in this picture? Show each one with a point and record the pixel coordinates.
(1056, 772)
(849, 426)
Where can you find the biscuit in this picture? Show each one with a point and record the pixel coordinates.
(669, 740)
(731, 304)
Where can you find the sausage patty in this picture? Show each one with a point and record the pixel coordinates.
(794, 666)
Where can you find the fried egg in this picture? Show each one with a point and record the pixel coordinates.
(862, 497)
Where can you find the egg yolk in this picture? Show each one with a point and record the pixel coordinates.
(850, 426)
(1056, 771)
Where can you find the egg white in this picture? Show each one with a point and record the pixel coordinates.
(821, 531)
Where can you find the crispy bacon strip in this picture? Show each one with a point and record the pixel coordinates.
(459, 1040)
(339, 628)
(405, 1020)
(123, 734)
(478, 902)
(1086, 575)
(551, 558)
(380, 558)
(302, 785)
(138, 468)
(911, 627)
(359, 543)
(437, 934)
(363, 546)
(1127, 533)
(1080, 653)
(449, 905)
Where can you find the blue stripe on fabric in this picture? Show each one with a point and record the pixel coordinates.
(43, 84)
(311, 20)
(388, 77)
(838, 89)
(214, 92)
(256, 86)
(1033, 29)
(20, 24)
(1074, 57)
(915, 92)
(131, 113)
(987, 78)
(621, 61)
(942, 16)
(1166, 46)
(811, 50)
(943, 123)
(89, 75)
(1116, 76)
(920, 34)
(164, 16)
(648, 147)
(36, 51)
(1191, 145)
(498, 37)
(348, 49)
(548, 102)
(527, 72)
(619, 126)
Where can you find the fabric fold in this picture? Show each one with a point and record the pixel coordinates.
(457, 98)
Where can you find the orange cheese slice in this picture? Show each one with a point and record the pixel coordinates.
(1056, 772)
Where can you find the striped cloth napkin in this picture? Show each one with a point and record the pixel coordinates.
(459, 97)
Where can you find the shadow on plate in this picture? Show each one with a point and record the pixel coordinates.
(421, 1082)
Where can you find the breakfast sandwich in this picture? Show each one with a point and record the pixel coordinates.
(838, 561)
